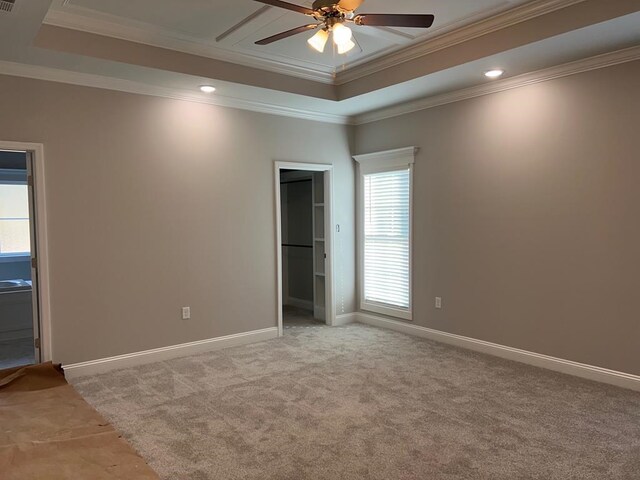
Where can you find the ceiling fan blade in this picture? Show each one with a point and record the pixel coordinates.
(350, 5)
(242, 23)
(394, 20)
(287, 6)
(288, 33)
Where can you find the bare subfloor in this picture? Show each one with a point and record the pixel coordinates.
(357, 402)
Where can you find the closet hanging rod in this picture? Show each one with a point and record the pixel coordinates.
(296, 246)
(294, 181)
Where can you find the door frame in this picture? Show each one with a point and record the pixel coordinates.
(36, 151)
(330, 310)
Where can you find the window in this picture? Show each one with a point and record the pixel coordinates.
(14, 219)
(386, 238)
(385, 232)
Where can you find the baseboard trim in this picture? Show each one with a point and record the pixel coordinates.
(345, 319)
(298, 302)
(104, 365)
(589, 372)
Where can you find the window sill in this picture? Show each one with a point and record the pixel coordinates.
(14, 257)
(386, 310)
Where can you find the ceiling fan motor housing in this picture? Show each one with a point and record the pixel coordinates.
(330, 12)
(325, 5)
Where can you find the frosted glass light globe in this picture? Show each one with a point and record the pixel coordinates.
(341, 34)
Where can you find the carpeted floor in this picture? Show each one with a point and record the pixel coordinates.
(294, 317)
(358, 402)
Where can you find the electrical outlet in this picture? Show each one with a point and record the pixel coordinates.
(186, 313)
(438, 302)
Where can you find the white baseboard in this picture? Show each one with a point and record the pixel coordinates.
(345, 319)
(589, 372)
(298, 302)
(103, 365)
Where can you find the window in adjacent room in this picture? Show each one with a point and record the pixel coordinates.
(14, 219)
(385, 232)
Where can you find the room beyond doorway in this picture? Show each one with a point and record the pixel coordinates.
(37, 345)
(304, 240)
(19, 320)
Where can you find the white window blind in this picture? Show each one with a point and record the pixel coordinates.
(387, 212)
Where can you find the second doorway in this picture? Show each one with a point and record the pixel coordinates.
(302, 204)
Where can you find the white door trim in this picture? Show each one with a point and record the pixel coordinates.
(328, 200)
(37, 152)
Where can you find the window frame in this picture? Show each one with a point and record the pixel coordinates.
(380, 162)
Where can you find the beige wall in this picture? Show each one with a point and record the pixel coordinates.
(154, 204)
(527, 215)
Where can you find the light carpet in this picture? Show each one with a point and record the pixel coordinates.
(358, 402)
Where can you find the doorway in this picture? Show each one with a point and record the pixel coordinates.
(20, 331)
(304, 241)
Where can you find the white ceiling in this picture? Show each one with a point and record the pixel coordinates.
(194, 25)
(191, 18)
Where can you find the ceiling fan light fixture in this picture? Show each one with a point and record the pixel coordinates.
(342, 35)
(345, 47)
(330, 16)
(319, 40)
(207, 88)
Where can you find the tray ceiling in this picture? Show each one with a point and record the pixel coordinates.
(194, 26)
(123, 45)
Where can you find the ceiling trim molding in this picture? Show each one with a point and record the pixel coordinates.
(132, 32)
(430, 45)
(116, 84)
(128, 86)
(79, 18)
(580, 66)
(400, 157)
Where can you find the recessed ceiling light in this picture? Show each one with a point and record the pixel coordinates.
(207, 89)
(494, 73)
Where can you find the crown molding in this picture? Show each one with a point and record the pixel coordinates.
(592, 63)
(128, 86)
(474, 30)
(85, 20)
(145, 34)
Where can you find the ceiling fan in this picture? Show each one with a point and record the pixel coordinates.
(332, 15)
